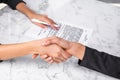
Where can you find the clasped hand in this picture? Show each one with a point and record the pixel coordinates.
(57, 50)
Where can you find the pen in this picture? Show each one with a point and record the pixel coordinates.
(41, 22)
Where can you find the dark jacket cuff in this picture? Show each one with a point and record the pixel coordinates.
(86, 58)
(14, 3)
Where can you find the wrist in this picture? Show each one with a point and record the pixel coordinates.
(36, 46)
(77, 50)
(29, 47)
(31, 14)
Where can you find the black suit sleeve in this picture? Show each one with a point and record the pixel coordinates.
(12, 3)
(101, 62)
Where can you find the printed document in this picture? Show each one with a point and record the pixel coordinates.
(67, 32)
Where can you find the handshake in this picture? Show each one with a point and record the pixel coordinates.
(55, 49)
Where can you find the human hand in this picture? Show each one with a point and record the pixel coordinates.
(51, 52)
(73, 48)
(33, 15)
(44, 18)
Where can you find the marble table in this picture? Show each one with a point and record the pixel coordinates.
(103, 18)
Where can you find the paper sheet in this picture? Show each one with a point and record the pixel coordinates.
(68, 32)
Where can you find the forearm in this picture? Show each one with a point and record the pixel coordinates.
(25, 10)
(14, 50)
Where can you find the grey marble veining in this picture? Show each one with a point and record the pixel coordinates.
(103, 18)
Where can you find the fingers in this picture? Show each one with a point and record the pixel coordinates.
(63, 56)
(46, 19)
(55, 59)
(56, 40)
(66, 55)
(49, 21)
(51, 60)
(44, 56)
(41, 25)
(47, 58)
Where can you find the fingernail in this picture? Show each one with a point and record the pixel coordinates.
(50, 58)
(51, 62)
(45, 56)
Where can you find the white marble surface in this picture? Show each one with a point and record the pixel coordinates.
(103, 18)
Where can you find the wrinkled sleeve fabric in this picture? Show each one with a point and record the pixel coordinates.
(101, 62)
(12, 3)
(1, 60)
